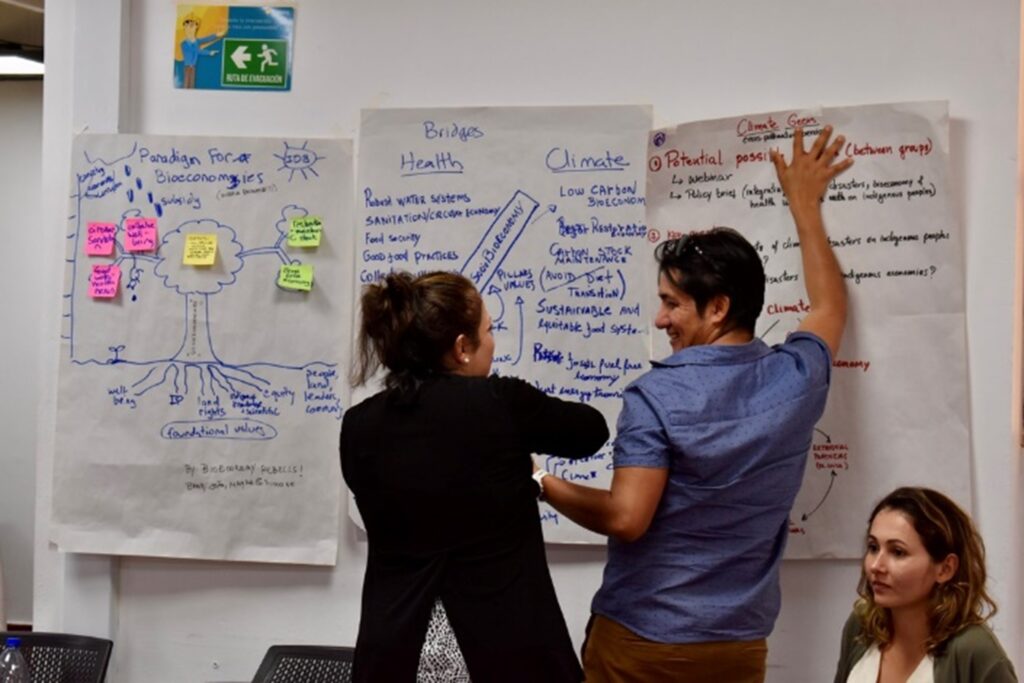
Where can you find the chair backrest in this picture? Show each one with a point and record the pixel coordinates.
(63, 657)
(306, 664)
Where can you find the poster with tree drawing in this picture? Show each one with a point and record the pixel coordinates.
(204, 345)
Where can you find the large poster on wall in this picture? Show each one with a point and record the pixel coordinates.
(204, 350)
(897, 409)
(543, 209)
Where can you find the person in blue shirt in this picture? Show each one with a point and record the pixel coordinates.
(193, 46)
(710, 453)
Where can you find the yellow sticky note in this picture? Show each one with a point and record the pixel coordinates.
(305, 231)
(298, 277)
(200, 249)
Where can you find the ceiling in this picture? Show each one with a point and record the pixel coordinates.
(21, 27)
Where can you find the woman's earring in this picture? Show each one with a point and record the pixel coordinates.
(465, 359)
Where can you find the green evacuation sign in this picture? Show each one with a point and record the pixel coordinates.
(254, 63)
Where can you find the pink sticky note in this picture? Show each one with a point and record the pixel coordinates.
(104, 281)
(140, 234)
(99, 239)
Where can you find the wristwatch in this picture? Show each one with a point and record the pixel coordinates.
(537, 477)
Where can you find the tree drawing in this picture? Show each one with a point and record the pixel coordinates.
(196, 285)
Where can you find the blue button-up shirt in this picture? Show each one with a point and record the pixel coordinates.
(733, 425)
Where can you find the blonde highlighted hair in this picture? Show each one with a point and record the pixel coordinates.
(954, 605)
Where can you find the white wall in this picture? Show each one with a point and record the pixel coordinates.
(21, 306)
(180, 620)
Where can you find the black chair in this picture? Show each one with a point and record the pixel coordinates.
(63, 657)
(306, 664)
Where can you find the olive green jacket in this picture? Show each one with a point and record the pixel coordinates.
(971, 656)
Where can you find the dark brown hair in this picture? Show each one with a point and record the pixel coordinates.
(410, 323)
(944, 529)
(717, 262)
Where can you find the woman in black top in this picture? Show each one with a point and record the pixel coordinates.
(439, 463)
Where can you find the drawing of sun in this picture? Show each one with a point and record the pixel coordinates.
(298, 160)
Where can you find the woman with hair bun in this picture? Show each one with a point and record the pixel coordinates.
(439, 464)
(923, 605)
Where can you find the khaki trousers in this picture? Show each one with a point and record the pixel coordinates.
(614, 654)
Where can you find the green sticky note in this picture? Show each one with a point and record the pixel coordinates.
(305, 231)
(297, 277)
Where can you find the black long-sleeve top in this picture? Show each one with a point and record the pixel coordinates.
(443, 484)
